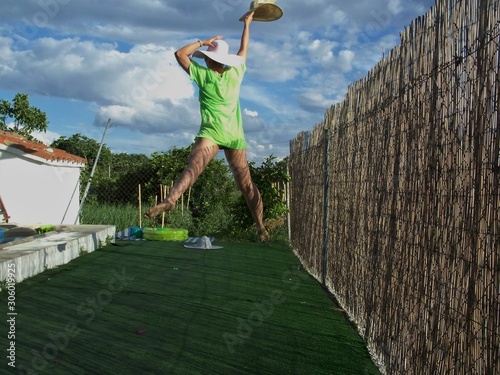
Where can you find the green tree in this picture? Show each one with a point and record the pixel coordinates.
(126, 173)
(268, 177)
(84, 147)
(88, 148)
(27, 118)
(211, 195)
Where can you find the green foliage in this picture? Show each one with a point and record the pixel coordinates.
(266, 177)
(216, 207)
(210, 196)
(125, 173)
(116, 177)
(84, 147)
(176, 218)
(26, 118)
(216, 221)
(88, 148)
(121, 216)
(82, 251)
(164, 168)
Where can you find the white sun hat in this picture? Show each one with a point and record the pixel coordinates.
(265, 11)
(220, 52)
(203, 243)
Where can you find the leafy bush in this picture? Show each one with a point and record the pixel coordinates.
(176, 218)
(209, 197)
(216, 207)
(266, 177)
(121, 216)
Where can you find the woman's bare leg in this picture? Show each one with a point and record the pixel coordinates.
(237, 160)
(203, 151)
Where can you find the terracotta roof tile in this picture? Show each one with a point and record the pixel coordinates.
(37, 148)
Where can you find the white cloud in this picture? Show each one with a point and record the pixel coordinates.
(46, 138)
(116, 57)
(345, 60)
(125, 114)
(312, 99)
(131, 87)
(274, 64)
(395, 6)
(319, 51)
(249, 113)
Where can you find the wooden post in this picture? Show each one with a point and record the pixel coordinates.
(163, 194)
(140, 207)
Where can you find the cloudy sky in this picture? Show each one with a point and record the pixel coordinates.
(86, 61)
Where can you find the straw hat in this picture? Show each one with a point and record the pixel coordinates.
(203, 243)
(265, 11)
(219, 51)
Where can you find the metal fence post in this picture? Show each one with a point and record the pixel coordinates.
(288, 216)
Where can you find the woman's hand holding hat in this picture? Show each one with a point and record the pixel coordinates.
(209, 42)
(265, 10)
(248, 18)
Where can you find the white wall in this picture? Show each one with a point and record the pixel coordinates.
(36, 191)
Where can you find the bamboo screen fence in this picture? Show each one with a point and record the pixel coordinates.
(395, 196)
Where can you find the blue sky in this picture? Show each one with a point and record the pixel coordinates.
(84, 61)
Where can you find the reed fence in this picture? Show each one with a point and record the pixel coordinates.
(394, 197)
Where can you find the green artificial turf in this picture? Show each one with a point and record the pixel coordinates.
(149, 307)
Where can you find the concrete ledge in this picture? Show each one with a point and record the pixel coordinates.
(33, 255)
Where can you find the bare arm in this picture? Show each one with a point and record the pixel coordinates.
(182, 55)
(245, 36)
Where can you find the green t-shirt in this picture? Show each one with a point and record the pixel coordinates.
(220, 105)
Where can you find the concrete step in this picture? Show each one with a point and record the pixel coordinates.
(32, 255)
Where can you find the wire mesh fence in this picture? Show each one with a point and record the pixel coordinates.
(395, 196)
(125, 186)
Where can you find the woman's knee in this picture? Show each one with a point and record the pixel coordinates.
(203, 151)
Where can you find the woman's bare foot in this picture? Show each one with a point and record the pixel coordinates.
(158, 209)
(263, 235)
